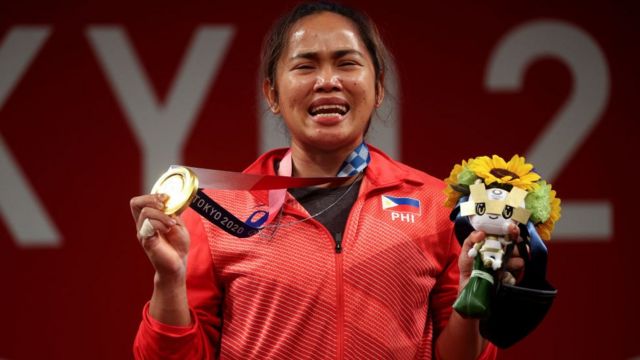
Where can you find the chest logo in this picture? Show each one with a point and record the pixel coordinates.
(401, 208)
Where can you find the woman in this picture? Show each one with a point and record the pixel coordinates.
(339, 273)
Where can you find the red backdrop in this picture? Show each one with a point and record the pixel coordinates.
(553, 81)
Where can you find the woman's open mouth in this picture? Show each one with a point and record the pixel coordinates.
(328, 111)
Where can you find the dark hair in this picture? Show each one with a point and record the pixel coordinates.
(276, 39)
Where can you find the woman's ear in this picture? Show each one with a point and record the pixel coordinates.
(380, 91)
(271, 94)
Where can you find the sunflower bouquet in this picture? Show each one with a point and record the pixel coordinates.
(488, 194)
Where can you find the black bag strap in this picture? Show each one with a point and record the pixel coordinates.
(535, 265)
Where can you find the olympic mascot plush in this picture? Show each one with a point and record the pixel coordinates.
(490, 194)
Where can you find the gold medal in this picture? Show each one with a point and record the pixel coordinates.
(181, 185)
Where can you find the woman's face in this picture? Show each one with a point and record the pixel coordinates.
(325, 87)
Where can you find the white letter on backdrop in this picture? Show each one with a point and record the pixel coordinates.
(162, 128)
(570, 126)
(25, 216)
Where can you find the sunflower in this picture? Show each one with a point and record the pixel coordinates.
(516, 172)
(460, 176)
(452, 197)
(546, 228)
(541, 200)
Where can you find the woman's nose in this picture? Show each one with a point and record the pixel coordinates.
(327, 81)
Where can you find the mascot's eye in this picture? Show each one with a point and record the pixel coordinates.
(480, 208)
(507, 212)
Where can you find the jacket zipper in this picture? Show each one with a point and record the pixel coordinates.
(340, 281)
(339, 293)
(340, 308)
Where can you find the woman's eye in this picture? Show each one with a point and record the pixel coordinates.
(480, 209)
(303, 67)
(348, 63)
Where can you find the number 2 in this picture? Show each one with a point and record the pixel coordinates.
(561, 139)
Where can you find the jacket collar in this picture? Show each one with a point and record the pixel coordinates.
(382, 172)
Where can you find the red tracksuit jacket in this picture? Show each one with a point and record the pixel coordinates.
(286, 293)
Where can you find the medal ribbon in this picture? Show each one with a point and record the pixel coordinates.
(355, 163)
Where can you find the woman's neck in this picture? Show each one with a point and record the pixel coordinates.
(316, 163)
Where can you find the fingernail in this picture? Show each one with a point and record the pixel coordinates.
(172, 222)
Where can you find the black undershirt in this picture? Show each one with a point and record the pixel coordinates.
(333, 217)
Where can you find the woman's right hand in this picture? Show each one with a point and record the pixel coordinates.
(168, 246)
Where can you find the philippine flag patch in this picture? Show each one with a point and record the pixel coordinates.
(401, 204)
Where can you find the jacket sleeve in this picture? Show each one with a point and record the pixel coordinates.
(200, 340)
(445, 293)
